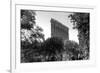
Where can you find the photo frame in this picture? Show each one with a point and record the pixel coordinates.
(16, 9)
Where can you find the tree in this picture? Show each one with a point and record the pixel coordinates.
(71, 49)
(29, 30)
(27, 19)
(52, 49)
(81, 22)
(31, 36)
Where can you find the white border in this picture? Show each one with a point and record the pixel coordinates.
(15, 40)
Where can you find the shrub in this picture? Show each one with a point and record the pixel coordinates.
(53, 48)
(72, 49)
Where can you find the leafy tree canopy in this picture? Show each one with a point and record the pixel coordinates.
(81, 22)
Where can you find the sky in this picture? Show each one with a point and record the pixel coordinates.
(43, 20)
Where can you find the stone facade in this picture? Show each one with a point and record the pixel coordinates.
(59, 30)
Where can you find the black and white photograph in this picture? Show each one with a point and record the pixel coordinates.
(50, 36)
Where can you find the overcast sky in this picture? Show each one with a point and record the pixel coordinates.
(43, 20)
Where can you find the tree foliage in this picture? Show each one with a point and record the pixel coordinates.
(53, 48)
(27, 19)
(31, 36)
(72, 49)
(81, 22)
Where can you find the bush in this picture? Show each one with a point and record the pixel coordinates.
(72, 49)
(30, 52)
(52, 49)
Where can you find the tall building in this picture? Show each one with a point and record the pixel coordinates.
(59, 30)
